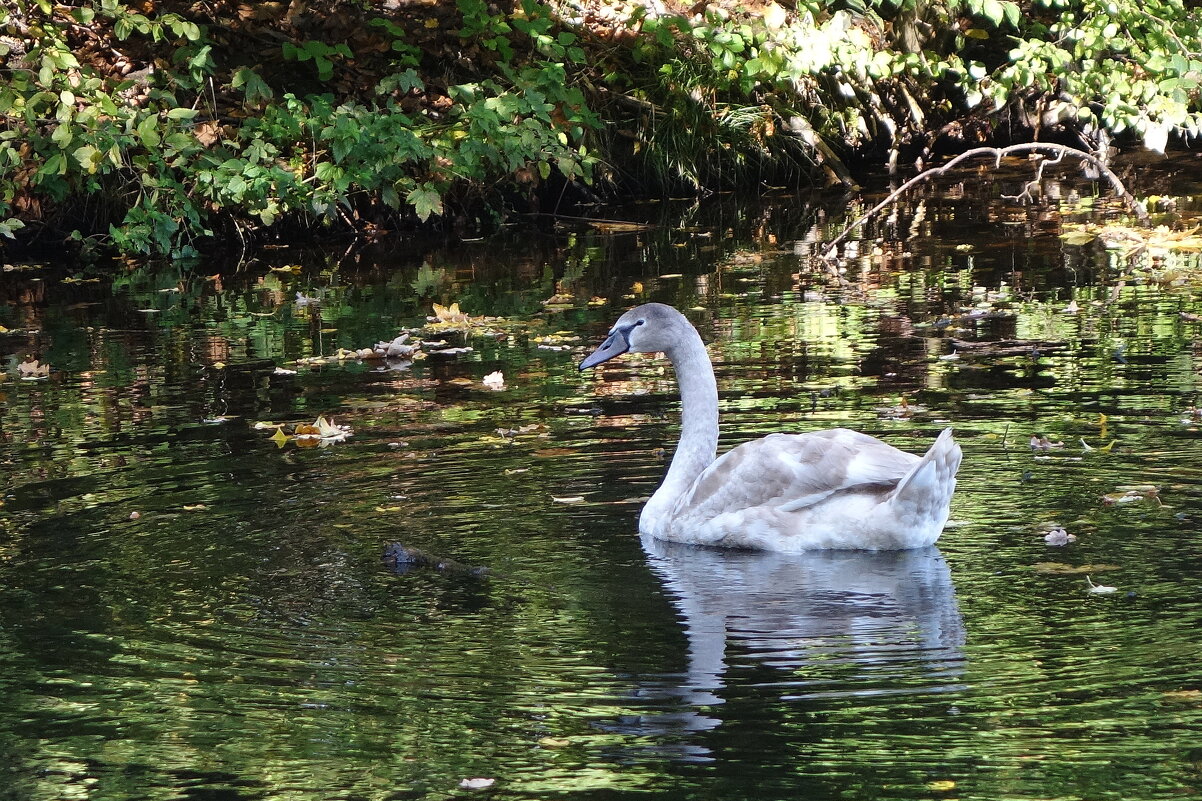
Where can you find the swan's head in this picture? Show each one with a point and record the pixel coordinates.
(650, 328)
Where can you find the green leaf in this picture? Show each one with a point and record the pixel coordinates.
(1012, 13)
(993, 11)
(62, 136)
(88, 158)
(425, 201)
(148, 132)
(181, 113)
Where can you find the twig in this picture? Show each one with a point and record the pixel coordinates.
(998, 153)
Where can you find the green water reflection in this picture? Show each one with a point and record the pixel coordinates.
(188, 611)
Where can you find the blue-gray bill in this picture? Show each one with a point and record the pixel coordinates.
(615, 345)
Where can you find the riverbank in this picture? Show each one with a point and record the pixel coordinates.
(167, 128)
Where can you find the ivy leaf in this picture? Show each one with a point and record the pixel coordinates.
(425, 201)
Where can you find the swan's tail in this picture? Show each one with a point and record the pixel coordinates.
(925, 493)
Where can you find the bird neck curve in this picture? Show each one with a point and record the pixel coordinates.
(698, 445)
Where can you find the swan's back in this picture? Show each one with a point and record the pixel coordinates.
(828, 489)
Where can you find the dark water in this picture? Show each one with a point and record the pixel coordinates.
(189, 611)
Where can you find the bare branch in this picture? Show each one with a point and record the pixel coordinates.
(998, 153)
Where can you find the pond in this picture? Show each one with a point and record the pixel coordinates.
(193, 605)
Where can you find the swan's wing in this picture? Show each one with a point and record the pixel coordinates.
(792, 471)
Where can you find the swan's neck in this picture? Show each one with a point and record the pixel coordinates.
(699, 429)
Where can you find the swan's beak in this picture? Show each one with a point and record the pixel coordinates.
(615, 345)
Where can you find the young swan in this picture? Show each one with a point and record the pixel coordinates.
(784, 492)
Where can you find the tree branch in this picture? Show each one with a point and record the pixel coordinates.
(998, 153)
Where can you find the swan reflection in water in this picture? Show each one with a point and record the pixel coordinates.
(832, 624)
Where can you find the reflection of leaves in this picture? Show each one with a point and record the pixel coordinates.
(428, 280)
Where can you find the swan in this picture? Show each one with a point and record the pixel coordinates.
(833, 489)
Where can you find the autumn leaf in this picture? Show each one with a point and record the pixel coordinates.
(33, 370)
(1061, 569)
(477, 784)
(449, 314)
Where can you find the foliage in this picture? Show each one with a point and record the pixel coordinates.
(153, 130)
(836, 79)
(172, 152)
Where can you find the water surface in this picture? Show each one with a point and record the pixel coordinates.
(188, 610)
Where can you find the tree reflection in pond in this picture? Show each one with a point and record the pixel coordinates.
(186, 609)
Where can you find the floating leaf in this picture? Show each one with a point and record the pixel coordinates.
(1058, 537)
(569, 499)
(280, 438)
(33, 370)
(1061, 569)
(554, 742)
(551, 453)
(477, 784)
(1099, 589)
(449, 314)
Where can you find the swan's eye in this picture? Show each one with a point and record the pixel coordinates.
(640, 322)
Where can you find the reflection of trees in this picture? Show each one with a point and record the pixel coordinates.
(256, 642)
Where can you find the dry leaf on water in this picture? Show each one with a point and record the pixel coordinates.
(449, 314)
(318, 434)
(1061, 569)
(477, 783)
(33, 370)
(1058, 537)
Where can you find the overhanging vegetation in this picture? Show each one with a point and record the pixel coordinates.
(159, 127)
